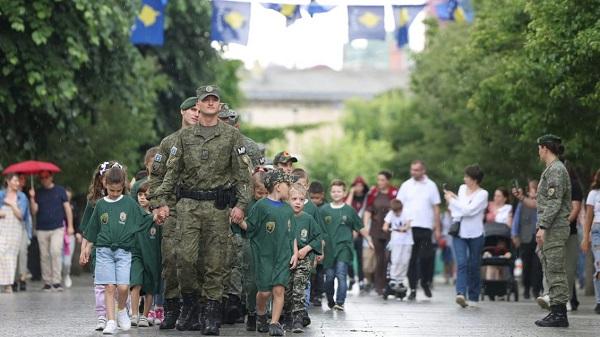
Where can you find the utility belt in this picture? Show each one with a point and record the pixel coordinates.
(223, 197)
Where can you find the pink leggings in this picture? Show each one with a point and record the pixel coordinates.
(100, 303)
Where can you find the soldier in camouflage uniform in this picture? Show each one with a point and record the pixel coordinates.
(236, 265)
(170, 237)
(208, 167)
(554, 207)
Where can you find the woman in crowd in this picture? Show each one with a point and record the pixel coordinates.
(499, 210)
(591, 232)
(357, 198)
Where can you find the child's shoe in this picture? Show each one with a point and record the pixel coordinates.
(338, 307)
(288, 321)
(275, 329)
(305, 318)
(151, 317)
(159, 315)
(111, 328)
(251, 322)
(101, 323)
(134, 320)
(297, 325)
(261, 323)
(123, 320)
(143, 322)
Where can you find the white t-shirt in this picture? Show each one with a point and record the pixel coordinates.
(593, 199)
(419, 198)
(503, 213)
(470, 210)
(396, 222)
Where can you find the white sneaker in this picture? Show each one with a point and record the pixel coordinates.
(460, 300)
(134, 320)
(143, 322)
(101, 323)
(111, 328)
(68, 282)
(123, 319)
(569, 307)
(544, 302)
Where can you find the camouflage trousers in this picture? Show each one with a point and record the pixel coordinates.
(232, 281)
(295, 296)
(553, 255)
(204, 230)
(248, 277)
(170, 241)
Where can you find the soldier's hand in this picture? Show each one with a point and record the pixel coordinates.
(237, 215)
(539, 237)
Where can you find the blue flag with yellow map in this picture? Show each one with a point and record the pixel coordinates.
(404, 16)
(366, 22)
(230, 22)
(149, 23)
(455, 10)
(290, 12)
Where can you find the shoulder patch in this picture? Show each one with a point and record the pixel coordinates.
(241, 150)
(262, 160)
(158, 158)
(173, 151)
(551, 191)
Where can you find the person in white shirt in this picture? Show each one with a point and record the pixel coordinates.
(591, 232)
(421, 198)
(468, 208)
(400, 246)
(499, 210)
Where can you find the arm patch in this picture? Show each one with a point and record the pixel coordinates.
(241, 150)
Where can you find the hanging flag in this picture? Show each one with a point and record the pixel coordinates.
(455, 10)
(366, 22)
(314, 8)
(149, 23)
(230, 22)
(404, 16)
(291, 12)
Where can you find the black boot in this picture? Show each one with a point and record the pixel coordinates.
(172, 309)
(251, 322)
(197, 318)
(288, 321)
(189, 308)
(240, 319)
(297, 323)
(556, 318)
(233, 309)
(305, 318)
(213, 312)
(261, 323)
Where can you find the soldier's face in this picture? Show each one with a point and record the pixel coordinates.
(209, 105)
(190, 116)
(297, 201)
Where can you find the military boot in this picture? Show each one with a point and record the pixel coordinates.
(298, 325)
(557, 318)
(213, 312)
(233, 309)
(172, 309)
(243, 314)
(261, 323)
(197, 318)
(305, 318)
(186, 316)
(288, 320)
(251, 322)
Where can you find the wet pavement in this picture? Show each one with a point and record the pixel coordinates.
(71, 313)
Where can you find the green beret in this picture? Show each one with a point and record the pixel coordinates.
(549, 139)
(188, 103)
(277, 176)
(284, 157)
(208, 90)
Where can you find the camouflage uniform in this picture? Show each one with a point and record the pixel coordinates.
(295, 292)
(254, 152)
(553, 208)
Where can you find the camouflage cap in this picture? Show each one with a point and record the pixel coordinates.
(277, 176)
(188, 103)
(549, 139)
(227, 114)
(208, 90)
(284, 157)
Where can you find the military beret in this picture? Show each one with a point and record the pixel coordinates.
(549, 139)
(208, 90)
(284, 157)
(188, 103)
(277, 176)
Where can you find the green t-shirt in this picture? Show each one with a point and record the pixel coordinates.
(339, 224)
(85, 218)
(114, 223)
(313, 210)
(147, 247)
(270, 230)
(308, 233)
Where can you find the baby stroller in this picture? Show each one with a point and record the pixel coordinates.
(393, 287)
(497, 263)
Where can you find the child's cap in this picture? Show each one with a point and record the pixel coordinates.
(277, 176)
(188, 103)
(284, 157)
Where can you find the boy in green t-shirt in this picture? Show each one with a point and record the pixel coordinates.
(145, 265)
(340, 222)
(307, 234)
(269, 226)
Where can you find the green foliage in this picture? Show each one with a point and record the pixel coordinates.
(266, 134)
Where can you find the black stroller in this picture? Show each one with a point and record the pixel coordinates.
(497, 267)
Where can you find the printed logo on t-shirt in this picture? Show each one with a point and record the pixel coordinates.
(152, 232)
(270, 226)
(104, 218)
(344, 218)
(122, 218)
(327, 219)
(303, 234)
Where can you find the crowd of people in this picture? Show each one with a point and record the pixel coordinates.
(211, 233)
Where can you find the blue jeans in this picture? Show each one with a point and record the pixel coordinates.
(339, 271)
(468, 263)
(595, 234)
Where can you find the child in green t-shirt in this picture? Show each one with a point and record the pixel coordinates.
(307, 234)
(145, 265)
(111, 231)
(340, 222)
(269, 226)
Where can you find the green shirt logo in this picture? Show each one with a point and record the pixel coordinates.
(270, 226)
(303, 234)
(104, 218)
(327, 219)
(122, 218)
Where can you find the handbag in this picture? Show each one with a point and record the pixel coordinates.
(454, 228)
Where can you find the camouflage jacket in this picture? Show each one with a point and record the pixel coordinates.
(554, 196)
(157, 174)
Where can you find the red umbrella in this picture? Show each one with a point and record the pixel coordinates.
(31, 167)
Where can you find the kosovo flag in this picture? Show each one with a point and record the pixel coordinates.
(455, 10)
(404, 16)
(291, 12)
(366, 22)
(230, 22)
(149, 23)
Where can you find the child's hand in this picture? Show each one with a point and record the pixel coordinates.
(294, 261)
(320, 258)
(370, 242)
(302, 252)
(84, 257)
(385, 228)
